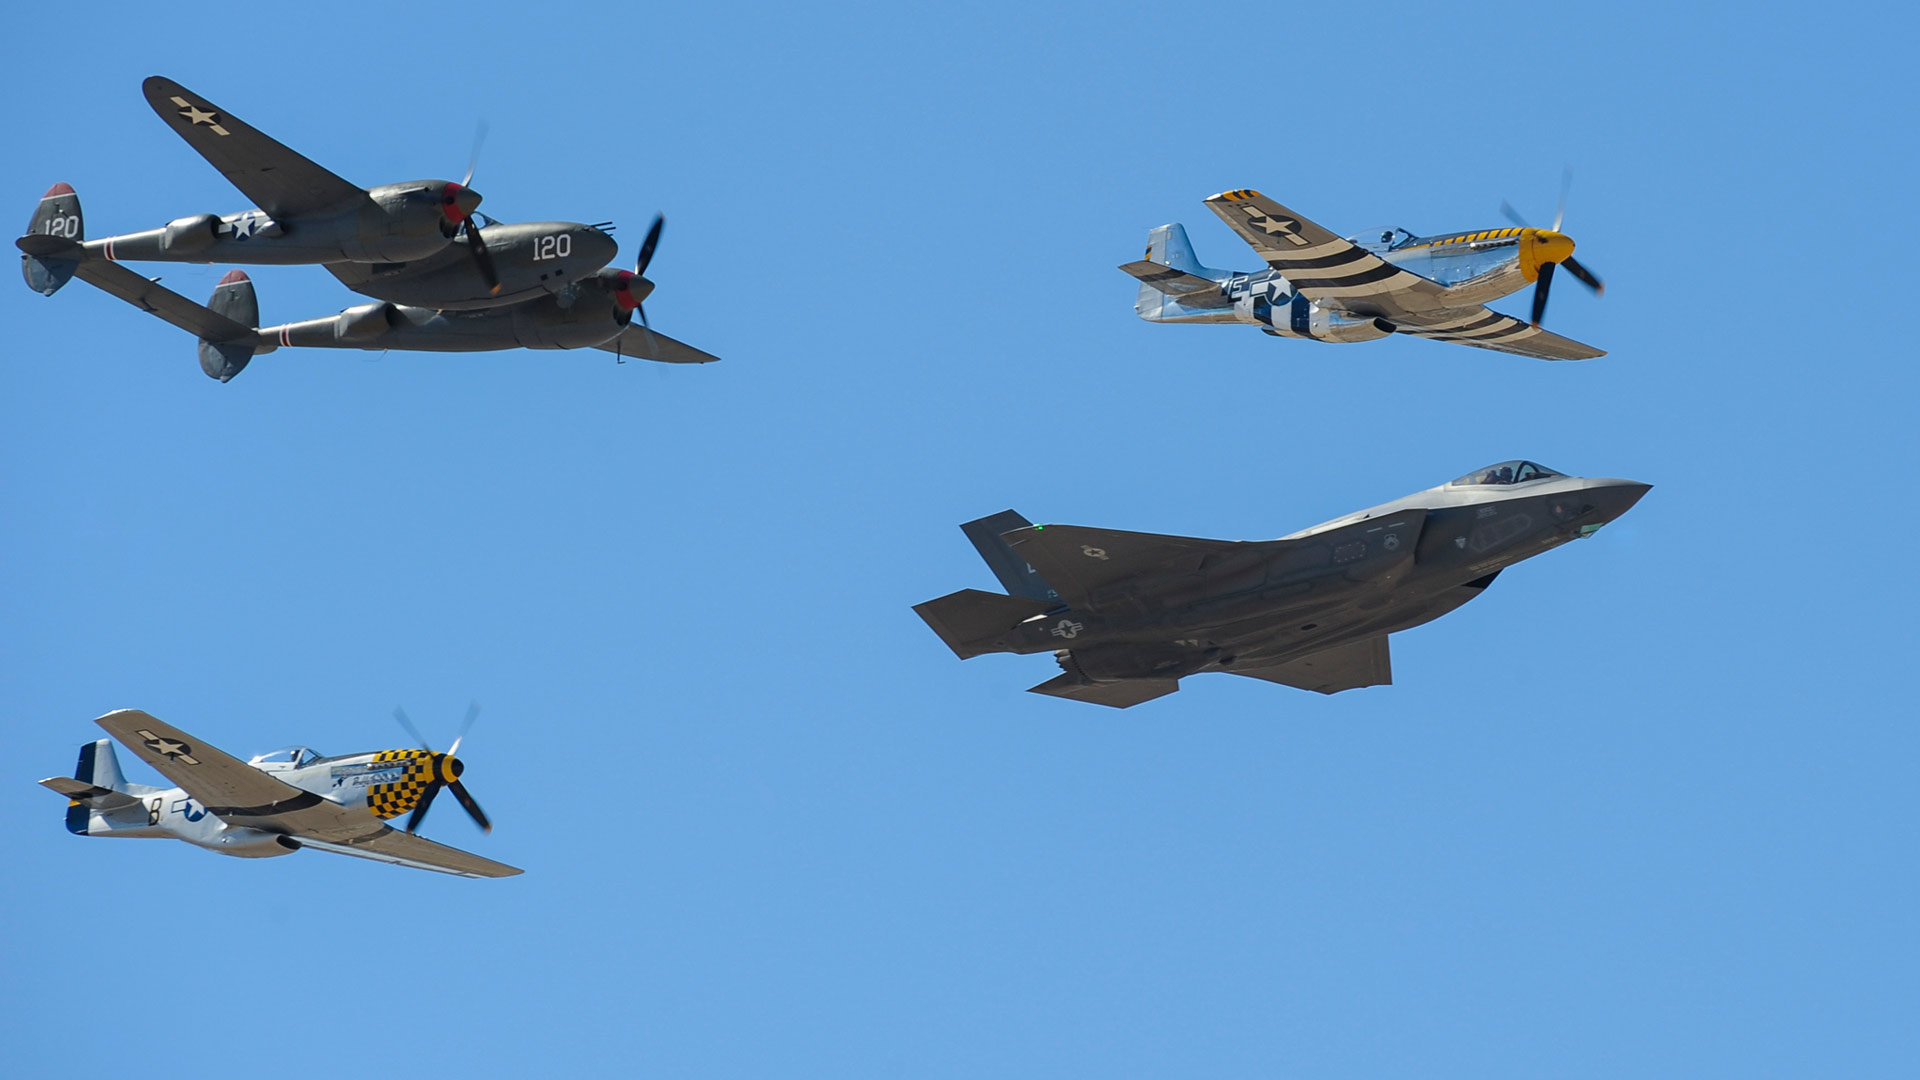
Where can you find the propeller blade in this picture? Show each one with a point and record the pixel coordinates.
(1540, 292)
(646, 246)
(473, 808)
(481, 256)
(653, 344)
(473, 156)
(400, 714)
(1560, 212)
(473, 713)
(1513, 215)
(420, 811)
(1585, 276)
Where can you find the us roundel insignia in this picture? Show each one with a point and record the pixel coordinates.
(171, 749)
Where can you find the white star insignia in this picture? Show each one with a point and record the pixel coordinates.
(196, 114)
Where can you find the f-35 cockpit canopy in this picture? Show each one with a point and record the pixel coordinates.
(1507, 472)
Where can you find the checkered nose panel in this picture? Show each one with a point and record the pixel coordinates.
(390, 800)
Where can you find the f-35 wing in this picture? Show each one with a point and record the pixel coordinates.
(1325, 268)
(642, 344)
(1080, 562)
(1486, 329)
(1329, 671)
(279, 181)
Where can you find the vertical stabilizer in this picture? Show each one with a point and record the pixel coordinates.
(234, 298)
(99, 766)
(52, 241)
(1019, 578)
(1168, 246)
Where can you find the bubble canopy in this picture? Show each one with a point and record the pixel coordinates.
(1507, 472)
(295, 756)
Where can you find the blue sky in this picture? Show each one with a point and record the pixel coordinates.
(1646, 808)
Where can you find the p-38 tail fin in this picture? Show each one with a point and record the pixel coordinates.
(52, 242)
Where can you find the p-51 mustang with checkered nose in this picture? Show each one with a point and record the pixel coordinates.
(276, 804)
(1365, 287)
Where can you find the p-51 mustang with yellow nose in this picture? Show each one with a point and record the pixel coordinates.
(275, 804)
(1365, 287)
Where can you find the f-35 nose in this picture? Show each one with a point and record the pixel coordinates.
(1612, 498)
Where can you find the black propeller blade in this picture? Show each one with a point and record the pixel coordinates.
(473, 808)
(1540, 292)
(481, 256)
(1585, 276)
(420, 810)
(646, 246)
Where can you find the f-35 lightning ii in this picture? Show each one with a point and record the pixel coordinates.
(1127, 615)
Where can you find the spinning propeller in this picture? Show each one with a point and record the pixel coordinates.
(1553, 248)
(446, 770)
(457, 203)
(632, 287)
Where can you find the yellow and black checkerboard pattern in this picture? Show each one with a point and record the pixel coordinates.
(397, 797)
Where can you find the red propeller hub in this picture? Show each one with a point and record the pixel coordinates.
(457, 202)
(629, 289)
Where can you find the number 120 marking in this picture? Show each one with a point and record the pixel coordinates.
(552, 247)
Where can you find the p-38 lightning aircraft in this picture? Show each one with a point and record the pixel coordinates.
(418, 242)
(276, 804)
(1128, 615)
(1323, 288)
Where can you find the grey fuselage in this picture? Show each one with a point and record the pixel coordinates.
(1374, 572)
(390, 248)
(581, 315)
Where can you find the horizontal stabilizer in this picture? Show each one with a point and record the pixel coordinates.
(97, 797)
(1329, 671)
(150, 296)
(970, 620)
(1190, 289)
(1123, 694)
(41, 246)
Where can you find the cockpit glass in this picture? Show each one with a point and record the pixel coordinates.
(1384, 238)
(288, 755)
(1507, 472)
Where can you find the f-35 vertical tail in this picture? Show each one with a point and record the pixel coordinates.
(52, 241)
(1019, 578)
